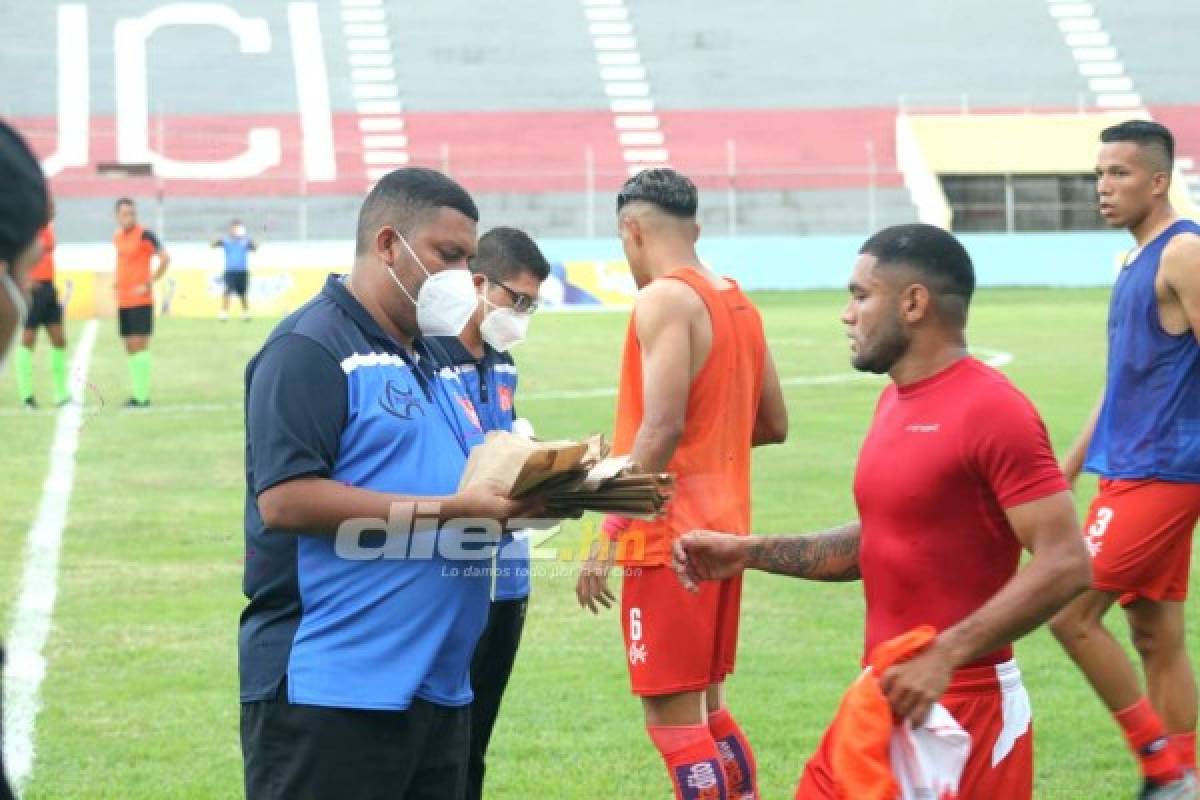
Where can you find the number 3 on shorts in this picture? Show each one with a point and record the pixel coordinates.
(635, 624)
(1104, 516)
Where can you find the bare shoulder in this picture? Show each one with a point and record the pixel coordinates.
(1183, 249)
(1180, 265)
(667, 298)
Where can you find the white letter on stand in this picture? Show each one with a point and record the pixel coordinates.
(133, 113)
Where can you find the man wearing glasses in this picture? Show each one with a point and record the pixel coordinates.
(508, 272)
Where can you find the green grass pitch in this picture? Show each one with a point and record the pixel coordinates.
(140, 699)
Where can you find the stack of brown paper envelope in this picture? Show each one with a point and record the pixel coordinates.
(575, 476)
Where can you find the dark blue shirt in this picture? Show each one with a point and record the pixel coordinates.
(491, 384)
(331, 395)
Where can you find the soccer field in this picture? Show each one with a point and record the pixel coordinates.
(140, 695)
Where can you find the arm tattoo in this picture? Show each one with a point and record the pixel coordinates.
(828, 556)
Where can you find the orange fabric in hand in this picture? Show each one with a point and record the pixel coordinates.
(862, 728)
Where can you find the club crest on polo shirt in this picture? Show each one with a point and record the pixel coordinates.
(699, 781)
(637, 653)
(506, 399)
(469, 409)
(400, 402)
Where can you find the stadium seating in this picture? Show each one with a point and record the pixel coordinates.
(785, 113)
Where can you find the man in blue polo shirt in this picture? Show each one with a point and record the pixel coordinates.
(355, 647)
(508, 271)
(237, 245)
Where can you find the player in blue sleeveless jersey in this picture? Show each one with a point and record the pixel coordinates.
(508, 271)
(237, 245)
(1144, 443)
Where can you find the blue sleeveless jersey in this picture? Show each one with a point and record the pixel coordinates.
(1149, 424)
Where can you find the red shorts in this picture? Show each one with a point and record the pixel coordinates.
(676, 641)
(991, 704)
(1139, 534)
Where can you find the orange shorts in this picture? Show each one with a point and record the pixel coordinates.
(991, 704)
(1139, 534)
(676, 641)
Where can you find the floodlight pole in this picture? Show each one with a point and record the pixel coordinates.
(589, 191)
(160, 210)
(872, 201)
(302, 223)
(731, 189)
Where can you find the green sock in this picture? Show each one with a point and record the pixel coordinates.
(58, 370)
(23, 363)
(139, 375)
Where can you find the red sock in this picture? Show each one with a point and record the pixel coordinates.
(692, 761)
(1148, 739)
(736, 755)
(1184, 745)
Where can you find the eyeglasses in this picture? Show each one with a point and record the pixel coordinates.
(521, 302)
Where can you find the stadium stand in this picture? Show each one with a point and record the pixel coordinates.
(770, 106)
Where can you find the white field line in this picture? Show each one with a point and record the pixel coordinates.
(993, 358)
(39, 579)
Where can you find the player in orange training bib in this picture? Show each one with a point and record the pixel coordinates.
(698, 390)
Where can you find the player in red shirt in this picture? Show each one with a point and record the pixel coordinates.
(955, 477)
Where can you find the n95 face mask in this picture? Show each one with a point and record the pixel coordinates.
(445, 301)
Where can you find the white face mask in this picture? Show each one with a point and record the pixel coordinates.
(239, 230)
(11, 296)
(504, 327)
(445, 301)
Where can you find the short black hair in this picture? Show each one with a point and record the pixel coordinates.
(406, 197)
(507, 252)
(1144, 133)
(123, 201)
(671, 191)
(23, 198)
(942, 261)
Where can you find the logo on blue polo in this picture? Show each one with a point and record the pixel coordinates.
(400, 402)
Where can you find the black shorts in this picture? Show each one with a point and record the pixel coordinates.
(44, 307)
(294, 752)
(490, 669)
(236, 282)
(137, 321)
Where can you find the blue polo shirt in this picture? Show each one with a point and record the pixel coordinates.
(491, 384)
(237, 249)
(331, 395)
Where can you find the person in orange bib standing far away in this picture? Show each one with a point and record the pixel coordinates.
(136, 249)
(45, 311)
(698, 390)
